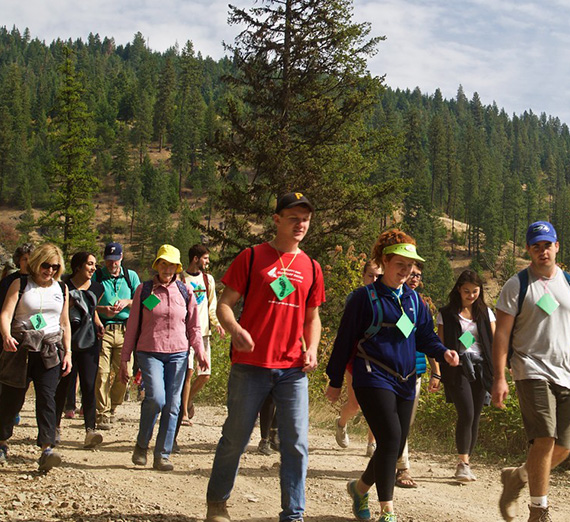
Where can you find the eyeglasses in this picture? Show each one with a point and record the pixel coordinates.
(416, 276)
(47, 266)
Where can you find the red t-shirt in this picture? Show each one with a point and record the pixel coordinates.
(275, 326)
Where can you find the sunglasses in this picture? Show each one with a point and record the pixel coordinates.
(416, 276)
(47, 266)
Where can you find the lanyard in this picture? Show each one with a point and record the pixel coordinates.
(281, 260)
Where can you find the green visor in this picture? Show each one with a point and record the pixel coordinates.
(404, 250)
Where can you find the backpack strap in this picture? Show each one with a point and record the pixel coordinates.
(24, 283)
(246, 291)
(184, 291)
(523, 282)
(207, 286)
(128, 280)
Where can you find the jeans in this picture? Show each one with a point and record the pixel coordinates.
(163, 377)
(248, 387)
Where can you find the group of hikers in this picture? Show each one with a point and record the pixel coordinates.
(100, 318)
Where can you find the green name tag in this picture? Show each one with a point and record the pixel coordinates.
(547, 303)
(467, 340)
(151, 301)
(38, 321)
(282, 287)
(405, 325)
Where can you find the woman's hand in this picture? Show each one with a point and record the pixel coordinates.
(10, 344)
(202, 360)
(434, 384)
(66, 364)
(332, 394)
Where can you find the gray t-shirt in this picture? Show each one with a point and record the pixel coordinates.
(541, 342)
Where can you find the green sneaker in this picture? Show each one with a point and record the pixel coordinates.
(359, 502)
(388, 516)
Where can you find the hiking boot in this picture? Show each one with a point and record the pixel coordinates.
(370, 449)
(139, 456)
(264, 447)
(359, 502)
(162, 464)
(217, 512)
(92, 439)
(341, 435)
(104, 424)
(512, 487)
(3, 455)
(388, 516)
(539, 514)
(49, 459)
(463, 473)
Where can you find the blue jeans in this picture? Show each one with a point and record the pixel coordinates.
(248, 387)
(163, 376)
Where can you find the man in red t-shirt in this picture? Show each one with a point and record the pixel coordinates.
(274, 345)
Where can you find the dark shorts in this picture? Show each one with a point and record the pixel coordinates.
(545, 410)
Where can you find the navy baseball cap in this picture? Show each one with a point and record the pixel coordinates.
(113, 252)
(541, 231)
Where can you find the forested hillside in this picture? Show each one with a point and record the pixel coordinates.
(176, 139)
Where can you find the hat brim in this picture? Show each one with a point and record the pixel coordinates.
(410, 255)
(178, 268)
(113, 258)
(538, 239)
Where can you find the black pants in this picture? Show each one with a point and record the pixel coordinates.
(267, 418)
(388, 416)
(87, 363)
(468, 398)
(12, 399)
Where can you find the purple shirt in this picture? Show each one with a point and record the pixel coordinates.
(170, 327)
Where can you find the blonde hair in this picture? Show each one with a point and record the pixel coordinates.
(43, 254)
(388, 238)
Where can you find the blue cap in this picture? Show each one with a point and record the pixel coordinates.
(113, 252)
(541, 231)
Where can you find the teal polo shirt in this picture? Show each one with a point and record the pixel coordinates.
(116, 288)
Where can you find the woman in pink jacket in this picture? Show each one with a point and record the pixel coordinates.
(162, 326)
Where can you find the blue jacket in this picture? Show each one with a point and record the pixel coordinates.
(388, 346)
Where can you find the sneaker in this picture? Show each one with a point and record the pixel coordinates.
(217, 512)
(539, 514)
(274, 441)
(139, 456)
(162, 464)
(388, 516)
(3, 455)
(264, 447)
(49, 459)
(463, 473)
(341, 435)
(512, 487)
(69, 414)
(370, 449)
(57, 435)
(359, 502)
(104, 424)
(92, 439)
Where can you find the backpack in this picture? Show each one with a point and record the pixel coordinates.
(375, 325)
(24, 283)
(81, 318)
(523, 281)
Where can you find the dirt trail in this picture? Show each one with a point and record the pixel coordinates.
(104, 486)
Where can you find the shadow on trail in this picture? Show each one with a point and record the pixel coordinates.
(123, 517)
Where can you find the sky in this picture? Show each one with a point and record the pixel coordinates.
(508, 51)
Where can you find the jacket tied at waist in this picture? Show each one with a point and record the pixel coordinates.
(14, 365)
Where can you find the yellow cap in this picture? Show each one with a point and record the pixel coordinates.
(170, 254)
(403, 249)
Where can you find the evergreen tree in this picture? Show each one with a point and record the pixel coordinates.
(70, 214)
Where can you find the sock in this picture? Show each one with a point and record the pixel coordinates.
(523, 473)
(539, 502)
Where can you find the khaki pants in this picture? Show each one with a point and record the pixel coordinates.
(109, 390)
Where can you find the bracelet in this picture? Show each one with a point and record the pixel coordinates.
(436, 376)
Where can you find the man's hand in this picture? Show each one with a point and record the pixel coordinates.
(451, 357)
(124, 372)
(499, 392)
(242, 340)
(332, 394)
(220, 330)
(107, 311)
(310, 361)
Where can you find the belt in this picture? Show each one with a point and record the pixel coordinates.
(115, 326)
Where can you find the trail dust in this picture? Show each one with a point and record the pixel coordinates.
(103, 485)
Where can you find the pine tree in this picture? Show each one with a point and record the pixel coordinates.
(70, 214)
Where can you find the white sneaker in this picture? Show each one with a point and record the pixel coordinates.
(464, 474)
(370, 449)
(341, 435)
